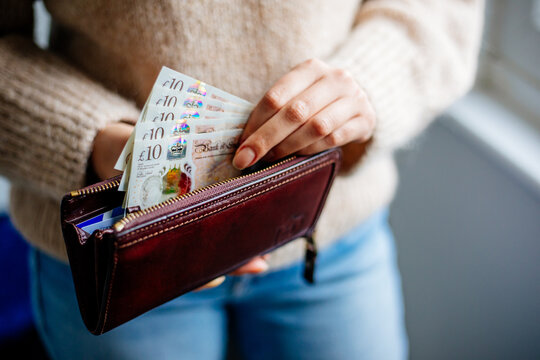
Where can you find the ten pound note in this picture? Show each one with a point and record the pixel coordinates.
(184, 139)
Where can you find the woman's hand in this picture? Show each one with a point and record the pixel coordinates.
(254, 266)
(108, 145)
(312, 108)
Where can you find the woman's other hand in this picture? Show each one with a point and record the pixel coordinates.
(256, 265)
(108, 145)
(312, 108)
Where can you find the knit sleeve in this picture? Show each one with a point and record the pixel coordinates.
(412, 58)
(49, 115)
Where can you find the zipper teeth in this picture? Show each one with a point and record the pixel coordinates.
(130, 217)
(96, 188)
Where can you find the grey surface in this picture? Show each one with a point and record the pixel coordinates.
(468, 235)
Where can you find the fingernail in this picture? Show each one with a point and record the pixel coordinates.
(212, 284)
(216, 282)
(243, 158)
(259, 265)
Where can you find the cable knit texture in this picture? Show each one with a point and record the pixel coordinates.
(412, 57)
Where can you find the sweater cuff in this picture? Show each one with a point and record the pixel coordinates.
(49, 116)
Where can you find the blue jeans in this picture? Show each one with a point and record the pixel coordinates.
(354, 311)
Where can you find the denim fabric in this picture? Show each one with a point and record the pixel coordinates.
(354, 311)
(15, 309)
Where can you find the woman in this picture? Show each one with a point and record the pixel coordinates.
(382, 70)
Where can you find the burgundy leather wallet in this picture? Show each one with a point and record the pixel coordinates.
(154, 255)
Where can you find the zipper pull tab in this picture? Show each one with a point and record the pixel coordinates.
(309, 262)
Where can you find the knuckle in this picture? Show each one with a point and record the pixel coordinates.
(371, 124)
(365, 136)
(297, 112)
(273, 99)
(365, 131)
(334, 139)
(259, 144)
(359, 94)
(342, 74)
(321, 126)
(369, 116)
(314, 62)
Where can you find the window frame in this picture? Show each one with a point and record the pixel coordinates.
(506, 74)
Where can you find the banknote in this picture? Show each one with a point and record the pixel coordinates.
(201, 122)
(165, 167)
(212, 156)
(190, 98)
(217, 125)
(198, 103)
(175, 82)
(148, 130)
(184, 139)
(157, 113)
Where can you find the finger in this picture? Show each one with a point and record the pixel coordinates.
(357, 128)
(254, 266)
(293, 115)
(320, 125)
(212, 284)
(289, 86)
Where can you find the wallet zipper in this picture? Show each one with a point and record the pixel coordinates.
(119, 226)
(97, 188)
(115, 183)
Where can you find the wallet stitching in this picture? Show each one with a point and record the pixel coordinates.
(226, 197)
(221, 208)
(110, 290)
(217, 210)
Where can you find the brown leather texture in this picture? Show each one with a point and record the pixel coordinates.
(161, 254)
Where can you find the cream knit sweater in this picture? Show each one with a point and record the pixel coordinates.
(412, 57)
